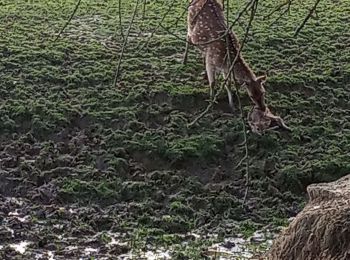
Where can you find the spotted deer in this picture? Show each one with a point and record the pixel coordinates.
(207, 29)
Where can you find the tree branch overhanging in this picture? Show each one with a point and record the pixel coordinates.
(69, 20)
(117, 72)
(309, 15)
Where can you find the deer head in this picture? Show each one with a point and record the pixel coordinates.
(261, 121)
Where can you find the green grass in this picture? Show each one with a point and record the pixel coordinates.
(129, 145)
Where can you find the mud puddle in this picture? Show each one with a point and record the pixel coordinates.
(25, 234)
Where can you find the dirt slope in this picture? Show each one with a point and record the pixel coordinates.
(84, 163)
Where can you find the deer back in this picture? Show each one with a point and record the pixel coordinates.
(206, 22)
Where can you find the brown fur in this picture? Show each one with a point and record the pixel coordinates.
(260, 121)
(206, 23)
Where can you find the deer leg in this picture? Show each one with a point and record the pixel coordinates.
(204, 73)
(184, 60)
(228, 89)
(211, 78)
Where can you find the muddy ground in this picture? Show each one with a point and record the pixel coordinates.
(95, 171)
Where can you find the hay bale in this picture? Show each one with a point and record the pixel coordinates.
(322, 229)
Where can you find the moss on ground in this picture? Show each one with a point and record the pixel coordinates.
(127, 148)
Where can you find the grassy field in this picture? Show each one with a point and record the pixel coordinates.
(93, 170)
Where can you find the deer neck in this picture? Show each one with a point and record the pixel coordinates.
(243, 72)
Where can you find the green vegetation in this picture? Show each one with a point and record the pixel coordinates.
(127, 150)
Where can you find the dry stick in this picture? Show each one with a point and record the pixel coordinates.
(313, 9)
(124, 44)
(69, 20)
(252, 15)
(175, 24)
(231, 72)
(144, 9)
(287, 10)
(281, 15)
(244, 40)
(211, 104)
(194, 44)
(180, 17)
(278, 8)
(120, 18)
(289, 5)
(156, 29)
(227, 9)
(246, 7)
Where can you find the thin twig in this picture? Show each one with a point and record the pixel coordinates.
(145, 45)
(144, 9)
(243, 158)
(240, 14)
(175, 24)
(231, 72)
(120, 18)
(287, 10)
(124, 44)
(278, 8)
(206, 110)
(252, 15)
(180, 17)
(253, 5)
(313, 9)
(227, 9)
(242, 45)
(279, 17)
(68, 21)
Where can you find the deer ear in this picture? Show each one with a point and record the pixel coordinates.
(261, 79)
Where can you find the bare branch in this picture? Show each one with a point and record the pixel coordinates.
(279, 8)
(124, 44)
(287, 10)
(120, 18)
(227, 9)
(145, 45)
(313, 9)
(240, 14)
(254, 7)
(68, 21)
(206, 110)
(144, 9)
